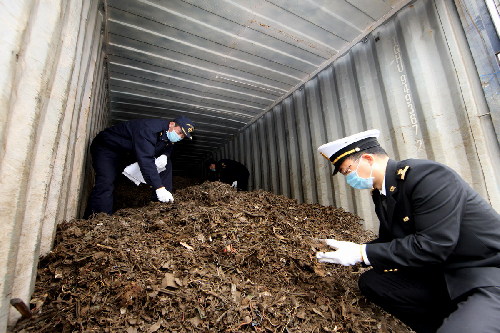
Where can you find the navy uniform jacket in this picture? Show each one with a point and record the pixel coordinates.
(434, 219)
(146, 138)
(230, 171)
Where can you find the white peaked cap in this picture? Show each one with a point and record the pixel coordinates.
(337, 151)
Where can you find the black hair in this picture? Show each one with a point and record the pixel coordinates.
(377, 150)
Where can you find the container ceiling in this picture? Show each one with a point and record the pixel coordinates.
(224, 63)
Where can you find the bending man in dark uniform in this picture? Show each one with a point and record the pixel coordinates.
(230, 172)
(145, 139)
(436, 262)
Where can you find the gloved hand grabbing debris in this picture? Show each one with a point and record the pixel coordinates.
(347, 254)
(234, 184)
(164, 195)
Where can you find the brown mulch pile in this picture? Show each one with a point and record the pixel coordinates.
(216, 260)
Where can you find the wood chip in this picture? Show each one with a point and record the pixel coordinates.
(186, 246)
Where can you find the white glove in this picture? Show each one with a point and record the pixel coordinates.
(347, 254)
(161, 162)
(164, 195)
(234, 184)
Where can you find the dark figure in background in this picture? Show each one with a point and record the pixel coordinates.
(436, 262)
(144, 139)
(229, 172)
(212, 174)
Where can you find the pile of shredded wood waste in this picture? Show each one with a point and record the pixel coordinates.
(215, 260)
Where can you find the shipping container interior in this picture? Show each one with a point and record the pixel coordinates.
(266, 82)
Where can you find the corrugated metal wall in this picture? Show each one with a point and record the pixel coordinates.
(483, 37)
(53, 98)
(414, 79)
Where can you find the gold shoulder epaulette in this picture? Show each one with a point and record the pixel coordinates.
(402, 172)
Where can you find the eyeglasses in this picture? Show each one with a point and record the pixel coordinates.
(348, 170)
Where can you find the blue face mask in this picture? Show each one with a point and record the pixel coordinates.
(173, 136)
(354, 180)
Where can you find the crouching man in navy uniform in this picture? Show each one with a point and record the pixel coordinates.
(143, 138)
(230, 172)
(436, 262)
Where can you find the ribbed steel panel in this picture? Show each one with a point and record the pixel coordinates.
(483, 38)
(282, 174)
(411, 78)
(223, 63)
(53, 98)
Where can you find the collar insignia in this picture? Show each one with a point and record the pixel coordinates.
(402, 172)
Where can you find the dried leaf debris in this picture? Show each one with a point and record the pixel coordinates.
(216, 260)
